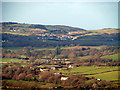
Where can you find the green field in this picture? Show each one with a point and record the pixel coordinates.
(35, 48)
(114, 56)
(80, 69)
(84, 57)
(28, 82)
(101, 70)
(21, 81)
(89, 69)
(109, 76)
(40, 48)
(10, 60)
(37, 84)
(23, 56)
(94, 71)
(13, 48)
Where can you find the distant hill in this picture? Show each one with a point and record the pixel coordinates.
(95, 32)
(62, 29)
(37, 35)
(37, 28)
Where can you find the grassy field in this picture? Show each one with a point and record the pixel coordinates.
(13, 48)
(80, 69)
(72, 47)
(23, 56)
(89, 69)
(21, 81)
(39, 48)
(95, 71)
(101, 70)
(84, 57)
(17, 33)
(35, 48)
(37, 84)
(109, 76)
(10, 60)
(114, 56)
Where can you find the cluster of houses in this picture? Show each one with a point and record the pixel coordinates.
(49, 36)
(48, 69)
(62, 77)
(54, 36)
(14, 30)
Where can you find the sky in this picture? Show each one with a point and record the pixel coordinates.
(86, 15)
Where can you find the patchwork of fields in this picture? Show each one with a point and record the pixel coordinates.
(39, 48)
(101, 72)
(109, 73)
(4, 60)
(109, 76)
(114, 56)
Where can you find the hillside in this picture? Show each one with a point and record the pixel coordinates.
(37, 35)
(62, 29)
(36, 28)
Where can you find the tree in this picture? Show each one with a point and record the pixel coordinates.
(32, 59)
(21, 76)
(59, 63)
(29, 77)
(26, 51)
(71, 55)
(57, 50)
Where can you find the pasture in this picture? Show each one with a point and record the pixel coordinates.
(13, 48)
(109, 76)
(114, 56)
(101, 70)
(95, 71)
(83, 57)
(53, 48)
(39, 48)
(10, 60)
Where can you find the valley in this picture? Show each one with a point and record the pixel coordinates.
(39, 56)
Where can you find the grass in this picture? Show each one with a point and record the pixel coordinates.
(84, 57)
(40, 48)
(109, 76)
(96, 71)
(37, 84)
(114, 56)
(17, 33)
(23, 56)
(97, 47)
(80, 69)
(10, 60)
(13, 48)
(101, 70)
(21, 81)
(47, 66)
(35, 48)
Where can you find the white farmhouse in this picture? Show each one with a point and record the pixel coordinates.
(99, 79)
(64, 78)
(70, 66)
(41, 70)
(53, 68)
(56, 73)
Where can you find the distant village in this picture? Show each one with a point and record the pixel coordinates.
(54, 36)
(55, 64)
(49, 36)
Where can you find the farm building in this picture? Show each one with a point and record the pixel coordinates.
(64, 78)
